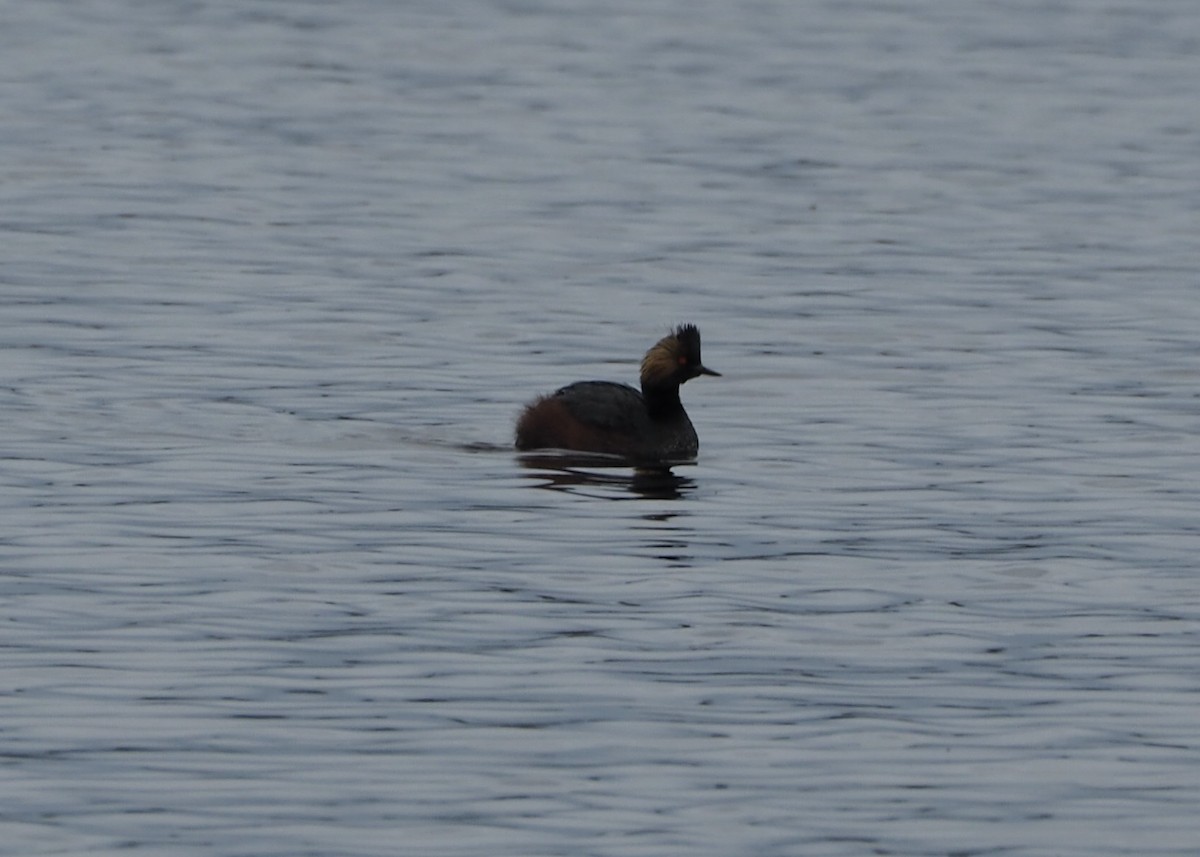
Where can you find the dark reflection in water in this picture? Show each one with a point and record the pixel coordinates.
(574, 472)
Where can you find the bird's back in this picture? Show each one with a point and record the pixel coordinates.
(605, 405)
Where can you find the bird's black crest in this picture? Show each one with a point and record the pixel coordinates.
(689, 340)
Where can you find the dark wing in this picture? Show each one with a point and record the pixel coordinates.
(604, 404)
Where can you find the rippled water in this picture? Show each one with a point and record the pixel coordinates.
(278, 277)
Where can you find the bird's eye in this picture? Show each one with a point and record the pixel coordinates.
(683, 361)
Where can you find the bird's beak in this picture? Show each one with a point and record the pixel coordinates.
(704, 370)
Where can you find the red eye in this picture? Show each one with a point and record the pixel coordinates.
(682, 361)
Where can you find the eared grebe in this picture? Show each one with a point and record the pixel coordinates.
(615, 419)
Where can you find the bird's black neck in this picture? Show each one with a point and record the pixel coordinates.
(662, 400)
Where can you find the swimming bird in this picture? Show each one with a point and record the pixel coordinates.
(615, 419)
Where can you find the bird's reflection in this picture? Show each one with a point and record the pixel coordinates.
(575, 471)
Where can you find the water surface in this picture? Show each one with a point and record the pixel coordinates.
(277, 280)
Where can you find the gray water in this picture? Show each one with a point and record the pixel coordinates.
(277, 278)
